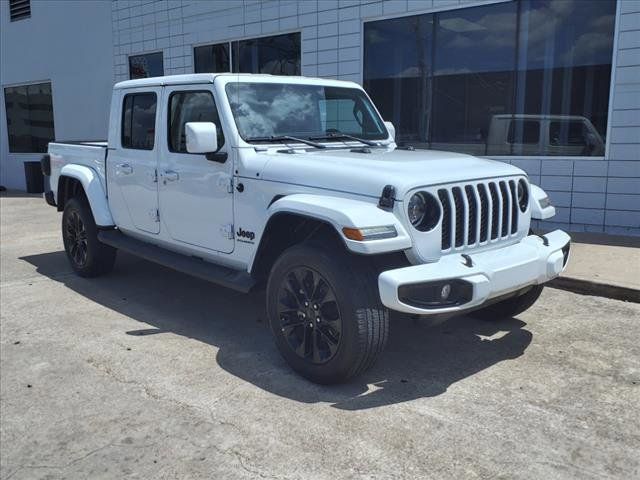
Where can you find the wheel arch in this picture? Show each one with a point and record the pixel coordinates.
(298, 218)
(285, 229)
(78, 180)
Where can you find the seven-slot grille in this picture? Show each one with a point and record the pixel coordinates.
(477, 213)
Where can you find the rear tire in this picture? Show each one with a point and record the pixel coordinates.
(510, 307)
(87, 255)
(325, 313)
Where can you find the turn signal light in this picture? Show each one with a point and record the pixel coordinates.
(370, 233)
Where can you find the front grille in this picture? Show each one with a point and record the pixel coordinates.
(477, 213)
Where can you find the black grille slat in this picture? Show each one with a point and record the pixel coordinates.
(493, 191)
(473, 215)
(484, 212)
(477, 213)
(514, 207)
(460, 214)
(505, 209)
(446, 219)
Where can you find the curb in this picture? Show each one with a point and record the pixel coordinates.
(588, 287)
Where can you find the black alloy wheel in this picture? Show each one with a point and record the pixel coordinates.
(87, 255)
(309, 315)
(324, 311)
(76, 239)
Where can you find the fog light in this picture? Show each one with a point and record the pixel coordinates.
(438, 294)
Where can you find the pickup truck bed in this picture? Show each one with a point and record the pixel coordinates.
(91, 153)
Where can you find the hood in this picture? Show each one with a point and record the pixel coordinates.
(368, 173)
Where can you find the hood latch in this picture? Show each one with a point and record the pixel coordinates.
(387, 199)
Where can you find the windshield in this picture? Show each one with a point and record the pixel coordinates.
(263, 110)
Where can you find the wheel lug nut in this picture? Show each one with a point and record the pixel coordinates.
(315, 306)
(306, 304)
(318, 319)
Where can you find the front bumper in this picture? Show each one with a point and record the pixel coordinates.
(493, 273)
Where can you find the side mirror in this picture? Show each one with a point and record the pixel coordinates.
(202, 137)
(391, 129)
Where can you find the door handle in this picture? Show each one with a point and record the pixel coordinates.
(171, 176)
(124, 169)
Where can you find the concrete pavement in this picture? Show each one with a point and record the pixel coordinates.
(604, 265)
(148, 373)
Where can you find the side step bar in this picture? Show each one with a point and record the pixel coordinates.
(227, 277)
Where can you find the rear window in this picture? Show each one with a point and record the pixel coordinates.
(139, 121)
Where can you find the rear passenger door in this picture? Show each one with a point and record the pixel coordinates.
(132, 162)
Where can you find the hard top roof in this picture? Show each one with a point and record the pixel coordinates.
(196, 78)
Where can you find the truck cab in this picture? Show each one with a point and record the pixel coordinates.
(297, 184)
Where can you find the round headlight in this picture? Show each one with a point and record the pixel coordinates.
(523, 195)
(423, 211)
(417, 209)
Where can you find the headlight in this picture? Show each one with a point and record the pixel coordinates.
(523, 195)
(417, 208)
(423, 211)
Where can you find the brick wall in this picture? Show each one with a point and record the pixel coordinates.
(601, 195)
(622, 204)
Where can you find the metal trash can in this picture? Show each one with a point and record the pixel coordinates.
(34, 178)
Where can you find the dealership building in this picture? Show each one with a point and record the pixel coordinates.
(552, 86)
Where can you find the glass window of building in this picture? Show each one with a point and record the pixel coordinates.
(145, 66)
(212, 58)
(397, 73)
(564, 69)
(473, 74)
(277, 55)
(29, 110)
(526, 77)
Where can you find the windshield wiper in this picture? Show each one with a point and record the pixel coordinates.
(285, 138)
(338, 135)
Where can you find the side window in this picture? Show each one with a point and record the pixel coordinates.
(567, 134)
(528, 131)
(192, 106)
(139, 121)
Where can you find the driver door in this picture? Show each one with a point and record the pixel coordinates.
(196, 197)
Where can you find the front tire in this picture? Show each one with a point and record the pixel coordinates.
(510, 307)
(325, 313)
(87, 255)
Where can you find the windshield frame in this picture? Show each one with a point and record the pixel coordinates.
(385, 136)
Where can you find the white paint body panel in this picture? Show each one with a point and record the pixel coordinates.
(538, 211)
(343, 212)
(90, 181)
(219, 211)
(528, 262)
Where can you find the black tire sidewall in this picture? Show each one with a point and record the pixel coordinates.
(99, 256)
(336, 268)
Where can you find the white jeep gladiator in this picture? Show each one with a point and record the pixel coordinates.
(297, 184)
